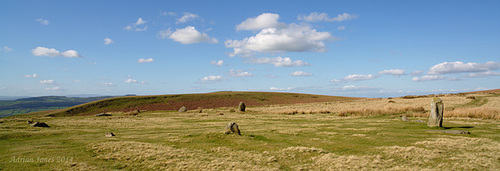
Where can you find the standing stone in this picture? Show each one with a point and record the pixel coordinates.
(436, 115)
(232, 128)
(241, 107)
(183, 109)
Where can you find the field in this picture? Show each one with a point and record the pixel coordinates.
(362, 134)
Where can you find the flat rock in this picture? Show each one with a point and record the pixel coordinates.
(102, 114)
(450, 131)
(39, 124)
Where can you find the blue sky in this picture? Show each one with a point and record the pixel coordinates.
(347, 48)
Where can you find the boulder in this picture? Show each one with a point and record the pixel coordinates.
(183, 109)
(39, 124)
(232, 128)
(436, 115)
(241, 107)
(405, 118)
(109, 134)
(102, 114)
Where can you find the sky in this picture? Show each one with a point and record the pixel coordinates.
(346, 48)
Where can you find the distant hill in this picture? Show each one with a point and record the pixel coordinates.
(192, 101)
(34, 104)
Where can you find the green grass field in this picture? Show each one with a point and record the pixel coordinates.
(195, 141)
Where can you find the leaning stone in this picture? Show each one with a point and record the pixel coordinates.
(39, 124)
(232, 128)
(241, 107)
(183, 109)
(450, 131)
(102, 114)
(405, 118)
(109, 134)
(436, 115)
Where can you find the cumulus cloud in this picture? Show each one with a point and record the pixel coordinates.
(7, 49)
(47, 82)
(130, 80)
(188, 35)
(316, 17)
(212, 78)
(43, 51)
(483, 74)
(354, 77)
(186, 17)
(217, 63)
(393, 72)
(54, 89)
(428, 78)
(43, 21)
(107, 84)
(265, 20)
(300, 73)
(417, 73)
(144, 60)
(239, 73)
(292, 38)
(107, 41)
(34, 75)
(281, 89)
(460, 67)
(139, 25)
(278, 61)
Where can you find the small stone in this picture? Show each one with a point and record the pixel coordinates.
(102, 114)
(405, 118)
(232, 128)
(39, 124)
(183, 109)
(29, 122)
(450, 131)
(470, 97)
(241, 107)
(109, 134)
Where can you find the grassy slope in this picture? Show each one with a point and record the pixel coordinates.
(192, 101)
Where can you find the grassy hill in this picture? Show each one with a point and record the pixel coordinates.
(34, 104)
(192, 101)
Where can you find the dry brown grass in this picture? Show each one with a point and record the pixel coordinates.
(455, 106)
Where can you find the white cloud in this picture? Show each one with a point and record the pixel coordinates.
(281, 89)
(34, 75)
(428, 78)
(43, 51)
(108, 41)
(218, 63)
(483, 74)
(54, 89)
(341, 28)
(358, 88)
(301, 73)
(265, 20)
(212, 78)
(316, 17)
(292, 38)
(107, 84)
(239, 73)
(42, 21)
(144, 60)
(278, 61)
(393, 72)
(137, 26)
(130, 80)
(188, 35)
(359, 77)
(460, 67)
(47, 82)
(7, 49)
(186, 17)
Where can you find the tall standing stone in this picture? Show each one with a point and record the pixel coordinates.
(241, 107)
(436, 115)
